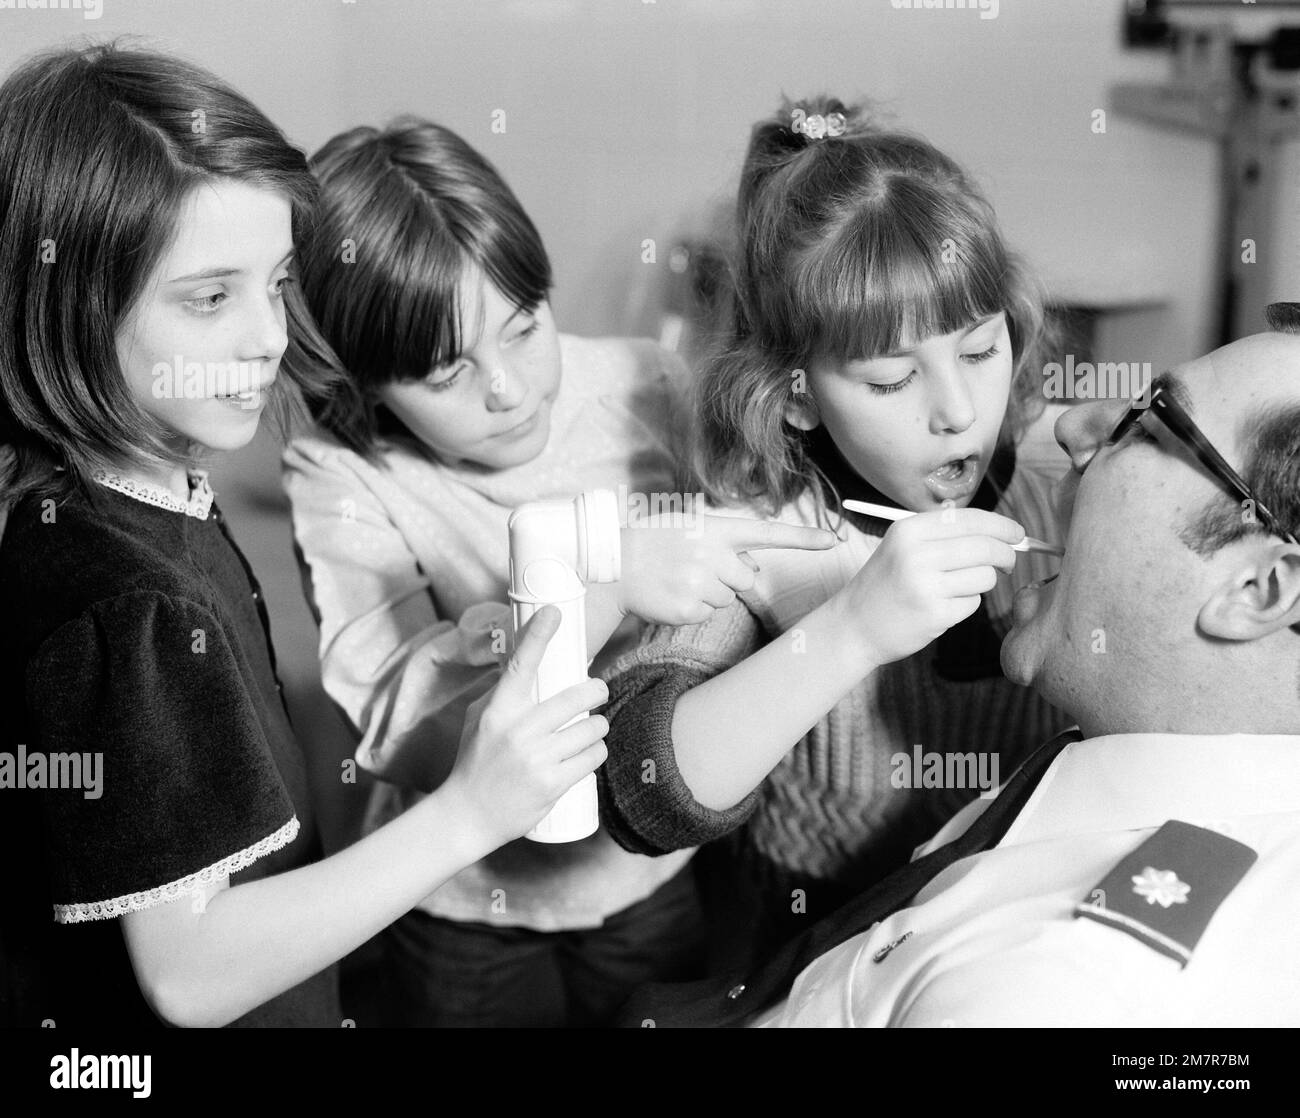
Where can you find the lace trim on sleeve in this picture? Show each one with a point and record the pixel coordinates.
(163, 894)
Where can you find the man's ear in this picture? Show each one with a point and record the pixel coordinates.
(801, 412)
(1261, 595)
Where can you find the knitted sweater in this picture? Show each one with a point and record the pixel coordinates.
(829, 812)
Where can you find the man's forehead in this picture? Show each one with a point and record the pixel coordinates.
(1240, 375)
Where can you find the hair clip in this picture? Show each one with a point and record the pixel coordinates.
(816, 127)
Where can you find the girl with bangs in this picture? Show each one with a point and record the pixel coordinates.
(886, 347)
(145, 271)
(462, 401)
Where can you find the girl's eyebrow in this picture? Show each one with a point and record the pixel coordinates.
(965, 334)
(221, 273)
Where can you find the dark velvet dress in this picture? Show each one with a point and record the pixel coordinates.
(136, 633)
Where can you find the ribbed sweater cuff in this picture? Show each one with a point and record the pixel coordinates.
(645, 804)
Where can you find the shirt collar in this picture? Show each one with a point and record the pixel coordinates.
(1134, 781)
(198, 506)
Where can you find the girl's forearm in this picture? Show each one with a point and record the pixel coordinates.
(257, 940)
(732, 730)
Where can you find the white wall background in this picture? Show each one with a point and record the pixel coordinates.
(623, 115)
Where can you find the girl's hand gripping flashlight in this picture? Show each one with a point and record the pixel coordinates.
(556, 548)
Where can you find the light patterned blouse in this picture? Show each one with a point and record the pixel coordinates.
(406, 563)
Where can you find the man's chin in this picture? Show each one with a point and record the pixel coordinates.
(1030, 661)
(1018, 663)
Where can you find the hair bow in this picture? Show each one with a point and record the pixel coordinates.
(816, 126)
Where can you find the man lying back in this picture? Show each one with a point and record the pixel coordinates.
(1144, 870)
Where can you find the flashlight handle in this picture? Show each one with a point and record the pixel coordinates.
(556, 547)
(564, 663)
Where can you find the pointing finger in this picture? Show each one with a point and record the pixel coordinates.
(750, 535)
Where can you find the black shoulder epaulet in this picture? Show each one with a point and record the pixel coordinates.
(1166, 892)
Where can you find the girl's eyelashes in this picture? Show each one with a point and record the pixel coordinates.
(969, 358)
(446, 381)
(983, 355)
(896, 386)
(444, 377)
(447, 375)
(205, 304)
(527, 332)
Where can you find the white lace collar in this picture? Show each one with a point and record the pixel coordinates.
(199, 504)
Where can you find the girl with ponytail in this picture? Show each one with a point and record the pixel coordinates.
(884, 346)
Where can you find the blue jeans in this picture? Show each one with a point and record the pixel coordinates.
(454, 974)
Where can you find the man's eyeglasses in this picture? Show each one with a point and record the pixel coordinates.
(1173, 415)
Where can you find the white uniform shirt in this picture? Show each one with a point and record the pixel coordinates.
(992, 940)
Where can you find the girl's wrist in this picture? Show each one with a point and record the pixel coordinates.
(849, 636)
(457, 827)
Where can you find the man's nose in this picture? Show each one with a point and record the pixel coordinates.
(1082, 429)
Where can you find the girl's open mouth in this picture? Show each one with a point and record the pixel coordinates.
(955, 479)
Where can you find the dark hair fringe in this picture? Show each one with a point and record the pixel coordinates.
(418, 207)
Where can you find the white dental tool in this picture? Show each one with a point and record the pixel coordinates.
(884, 512)
(556, 548)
